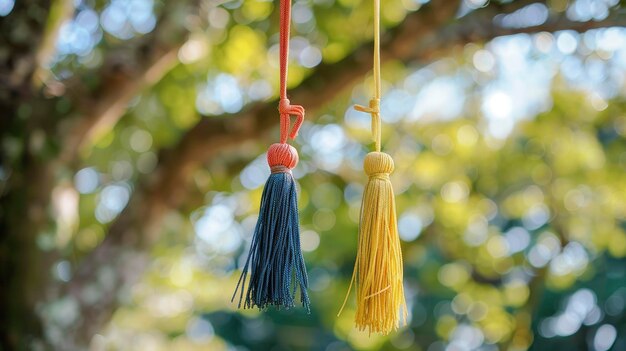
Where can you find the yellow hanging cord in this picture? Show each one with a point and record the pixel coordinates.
(374, 105)
(381, 307)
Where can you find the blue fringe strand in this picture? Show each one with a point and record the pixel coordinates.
(275, 257)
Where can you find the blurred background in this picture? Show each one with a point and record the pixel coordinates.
(133, 135)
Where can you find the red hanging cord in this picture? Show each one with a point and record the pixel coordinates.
(285, 108)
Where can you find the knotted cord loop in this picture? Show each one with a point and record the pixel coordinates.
(285, 108)
(374, 110)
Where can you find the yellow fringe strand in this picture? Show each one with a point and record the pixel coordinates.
(381, 307)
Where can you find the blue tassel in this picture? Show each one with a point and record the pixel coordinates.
(275, 263)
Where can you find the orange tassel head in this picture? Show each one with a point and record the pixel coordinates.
(282, 155)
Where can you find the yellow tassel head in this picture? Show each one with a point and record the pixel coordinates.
(378, 163)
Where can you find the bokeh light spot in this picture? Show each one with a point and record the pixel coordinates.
(87, 180)
(409, 226)
(6, 6)
(309, 240)
(604, 338)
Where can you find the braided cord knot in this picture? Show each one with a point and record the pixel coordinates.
(373, 108)
(286, 110)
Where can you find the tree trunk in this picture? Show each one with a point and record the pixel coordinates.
(23, 215)
(26, 178)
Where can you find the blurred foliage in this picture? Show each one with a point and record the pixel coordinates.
(510, 160)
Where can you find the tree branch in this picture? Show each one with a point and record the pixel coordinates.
(101, 112)
(60, 11)
(123, 78)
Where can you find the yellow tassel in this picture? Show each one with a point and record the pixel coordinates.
(378, 269)
(381, 307)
